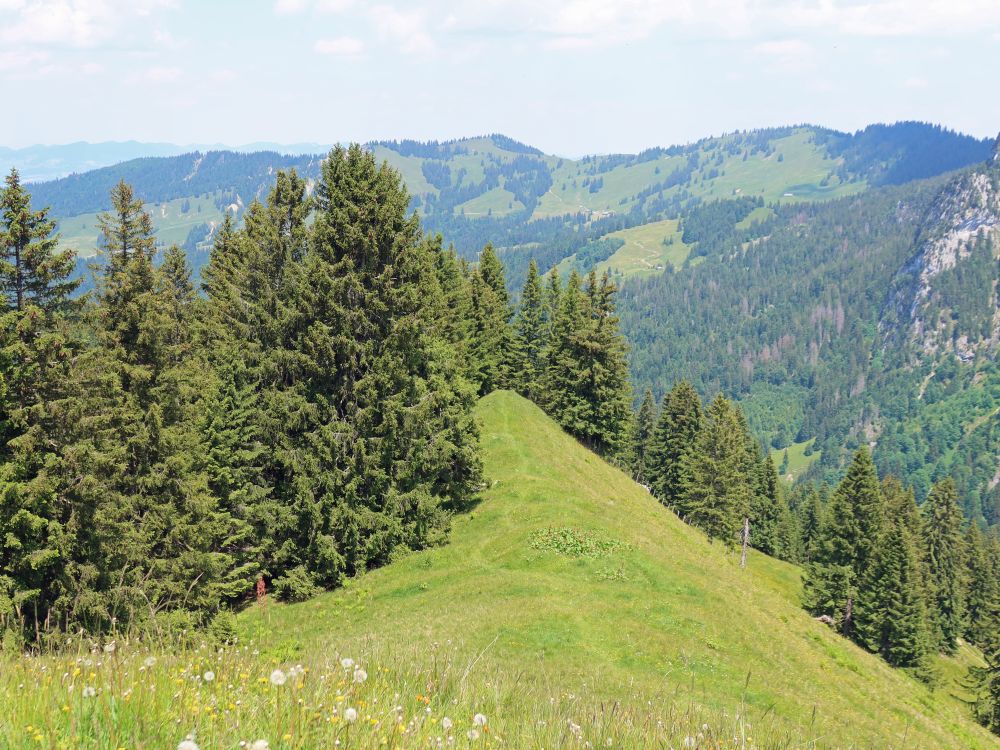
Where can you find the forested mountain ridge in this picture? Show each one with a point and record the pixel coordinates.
(869, 320)
(528, 203)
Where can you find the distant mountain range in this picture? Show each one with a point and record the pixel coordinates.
(39, 163)
(842, 286)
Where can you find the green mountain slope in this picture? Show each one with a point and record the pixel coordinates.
(868, 320)
(493, 188)
(569, 579)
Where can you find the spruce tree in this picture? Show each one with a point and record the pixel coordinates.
(812, 514)
(641, 440)
(552, 297)
(493, 351)
(768, 510)
(943, 543)
(891, 619)
(608, 387)
(563, 382)
(42, 532)
(674, 437)
(530, 328)
(983, 591)
(715, 490)
(850, 534)
(393, 444)
(33, 271)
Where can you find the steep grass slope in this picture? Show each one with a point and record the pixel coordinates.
(570, 579)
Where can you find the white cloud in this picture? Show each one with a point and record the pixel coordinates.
(343, 46)
(405, 28)
(163, 74)
(785, 51)
(15, 61)
(287, 7)
(915, 82)
(70, 23)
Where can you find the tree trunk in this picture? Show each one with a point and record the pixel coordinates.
(746, 542)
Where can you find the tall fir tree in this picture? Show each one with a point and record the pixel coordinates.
(715, 490)
(33, 270)
(673, 439)
(493, 351)
(768, 510)
(530, 328)
(393, 443)
(608, 386)
(891, 616)
(42, 533)
(812, 515)
(641, 439)
(944, 547)
(850, 534)
(552, 301)
(983, 589)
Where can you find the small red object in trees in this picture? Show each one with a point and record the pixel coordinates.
(261, 589)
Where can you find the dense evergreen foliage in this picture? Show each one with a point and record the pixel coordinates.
(309, 417)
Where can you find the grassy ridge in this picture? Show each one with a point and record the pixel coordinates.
(569, 607)
(666, 610)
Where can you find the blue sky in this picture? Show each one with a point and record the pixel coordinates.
(569, 76)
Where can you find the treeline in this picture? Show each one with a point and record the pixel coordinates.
(305, 417)
(308, 417)
(904, 581)
(704, 463)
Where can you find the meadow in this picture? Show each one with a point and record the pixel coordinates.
(568, 609)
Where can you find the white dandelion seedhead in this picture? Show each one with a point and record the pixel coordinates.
(350, 715)
(472, 734)
(446, 724)
(360, 675)
(89, 691)
(479, 720)
(297, 671)
(689, 741)
(109, 648)
(188, 744)
(149, 661)
(347, 663)
(208, 676)
(278, 678)
(260, 745)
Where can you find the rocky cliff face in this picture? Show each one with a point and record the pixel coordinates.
(945, 300)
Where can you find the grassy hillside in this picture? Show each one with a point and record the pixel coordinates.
(173, 221)
(624, 594)
(568, 607)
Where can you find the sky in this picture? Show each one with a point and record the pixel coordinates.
(568, 76)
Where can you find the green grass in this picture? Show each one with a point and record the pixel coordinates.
(798, 461)
(567, 602)
(496, 202)
(644, 252)
(797, 166)
(171, 224)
